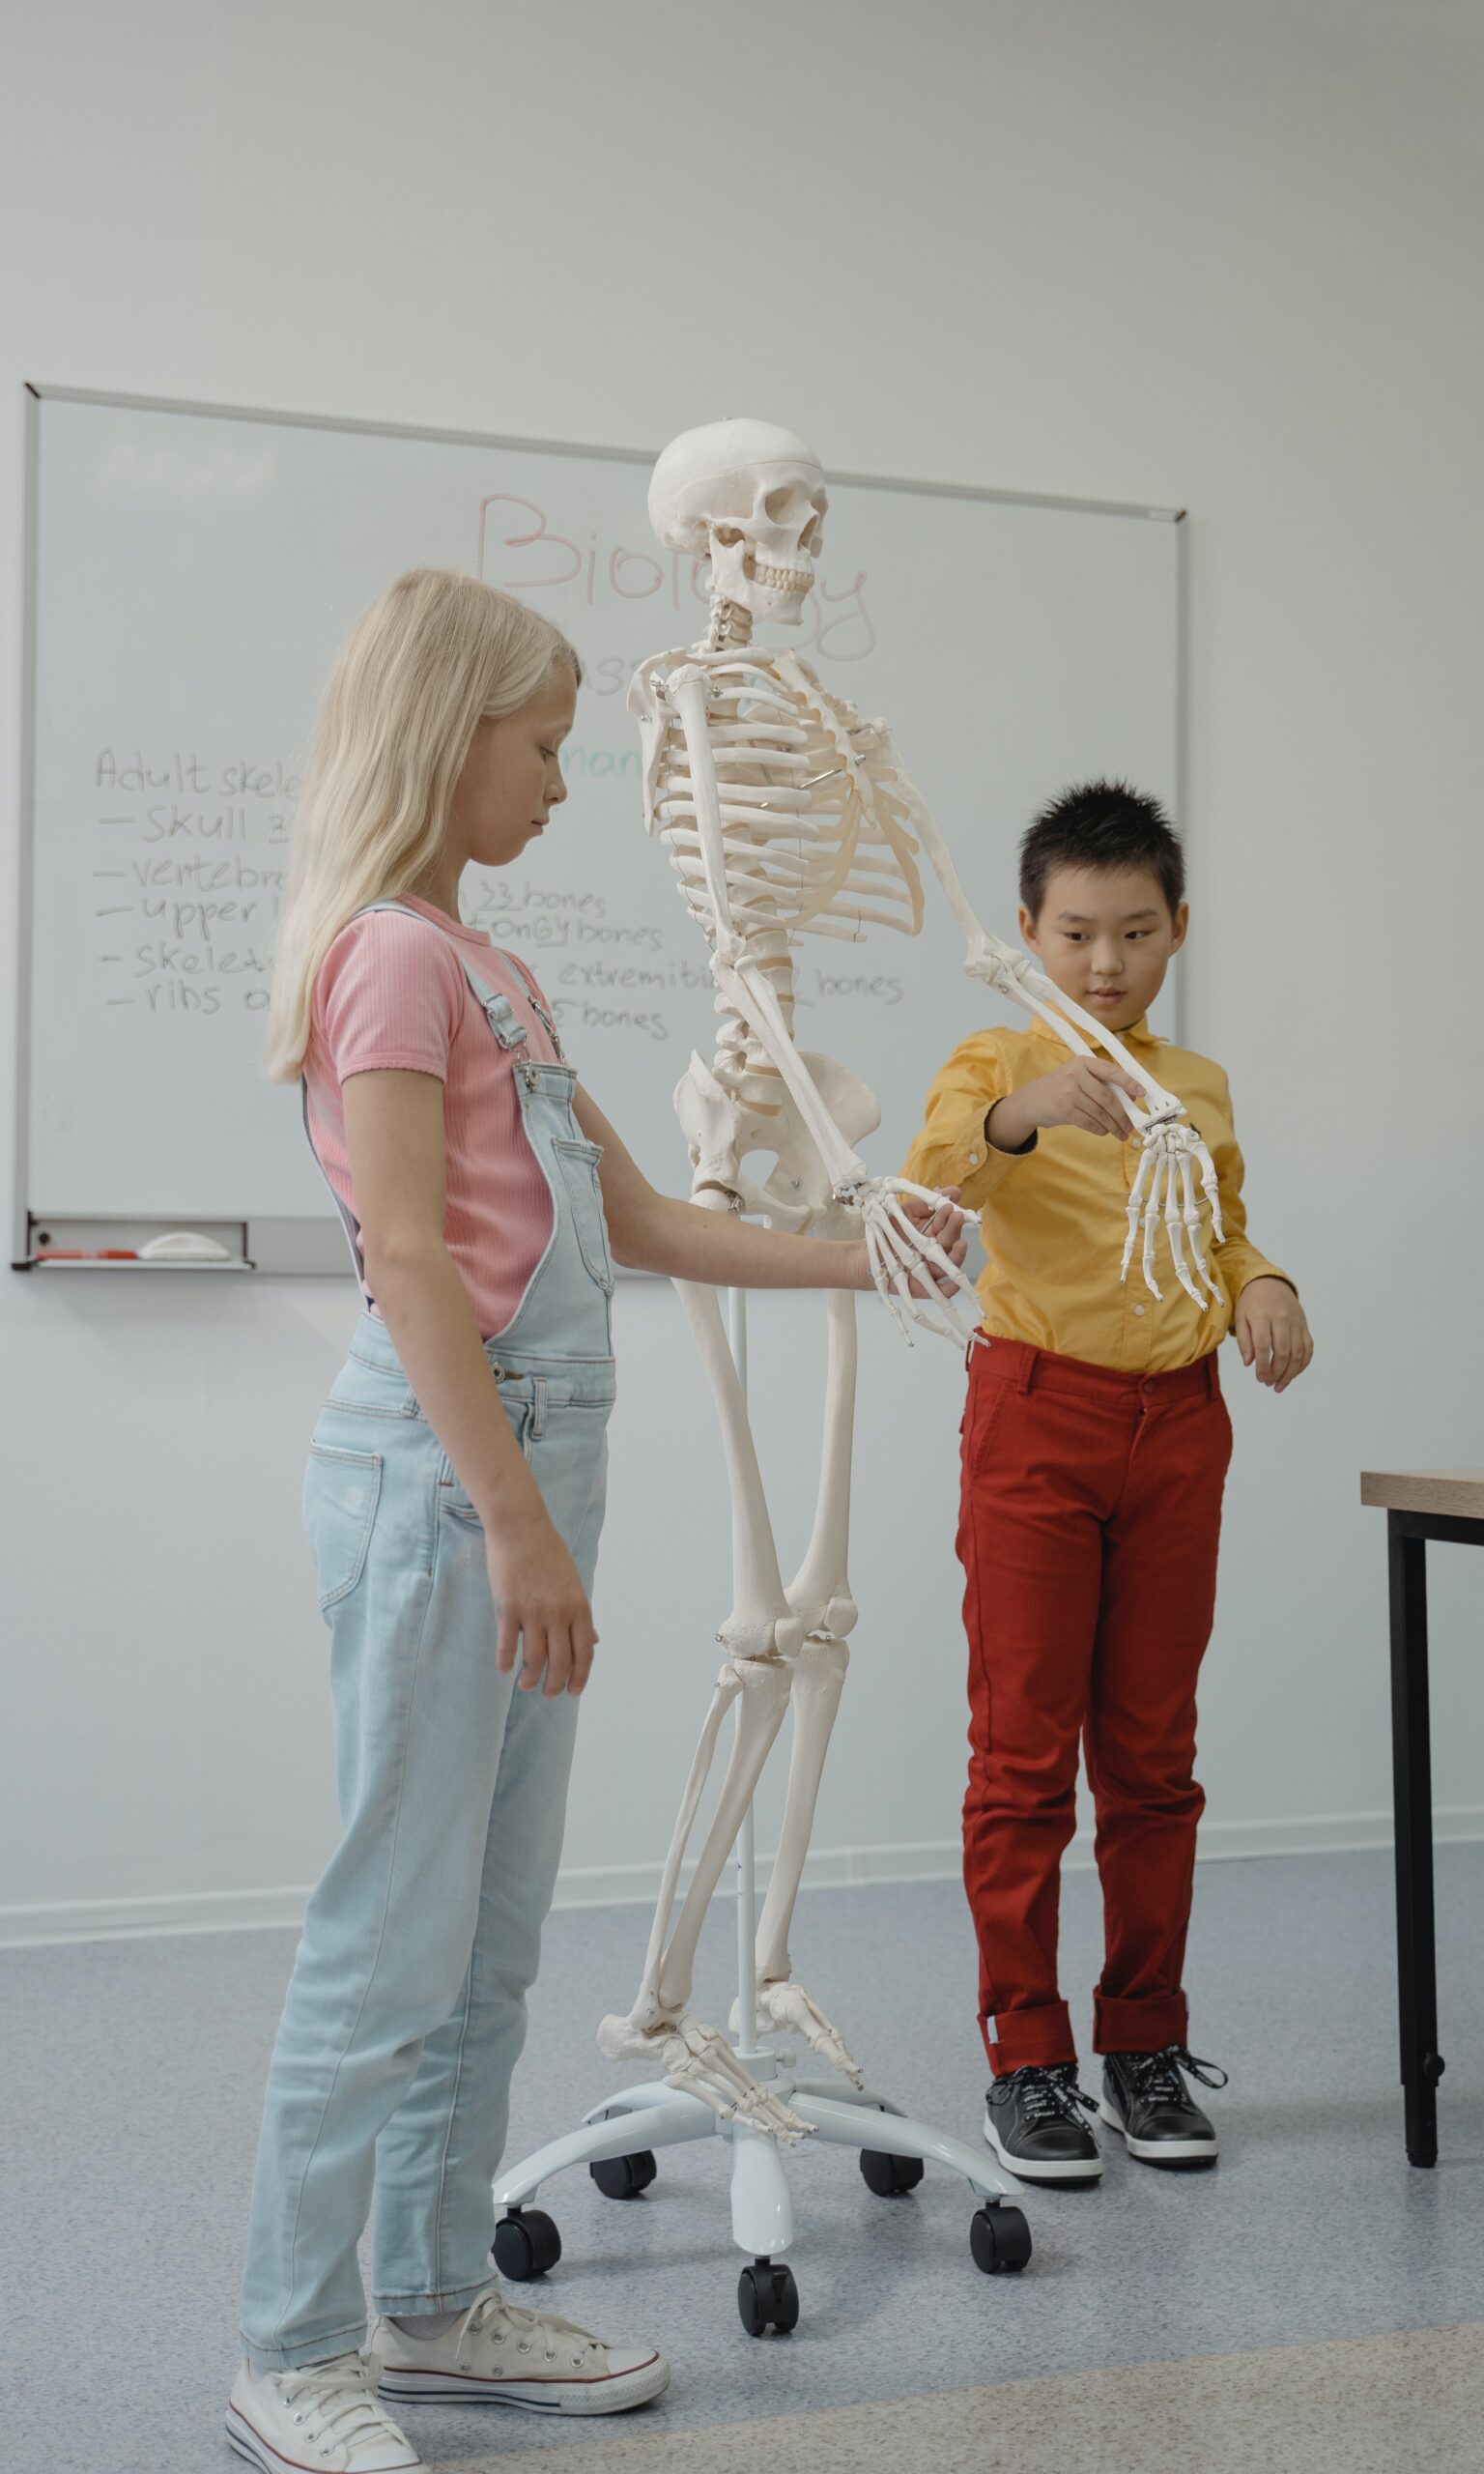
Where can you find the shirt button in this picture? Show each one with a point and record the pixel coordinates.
(1138, 1309)
(973, 1158)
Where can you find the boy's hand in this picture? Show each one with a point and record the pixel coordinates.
(1079, 1093)
(1273, 1332)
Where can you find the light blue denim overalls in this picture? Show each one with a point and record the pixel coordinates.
(406, 2011)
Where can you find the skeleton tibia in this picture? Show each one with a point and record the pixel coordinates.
(818, 1678)
(763, 1686)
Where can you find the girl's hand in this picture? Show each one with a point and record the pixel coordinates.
(543, 1609)
(1273, 1332)
(940, 1219)
(944, 1223)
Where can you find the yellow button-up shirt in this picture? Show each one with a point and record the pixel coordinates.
(1054, 1216)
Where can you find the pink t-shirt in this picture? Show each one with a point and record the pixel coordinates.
(392, 995)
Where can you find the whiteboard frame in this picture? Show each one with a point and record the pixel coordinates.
(286, 1253)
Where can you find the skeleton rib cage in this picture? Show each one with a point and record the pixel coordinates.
(814, 841)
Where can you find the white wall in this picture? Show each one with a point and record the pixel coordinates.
(1190, 253)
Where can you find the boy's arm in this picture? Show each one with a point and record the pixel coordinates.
(1268, 1324)
(952, 1147)
(1238, 1261)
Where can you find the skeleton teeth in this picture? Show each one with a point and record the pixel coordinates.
(791, 580)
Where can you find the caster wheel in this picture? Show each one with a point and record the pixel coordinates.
(527, 2243)
(1000, 2240)
(886, 2176)
(623, 2177)
(767, 2297)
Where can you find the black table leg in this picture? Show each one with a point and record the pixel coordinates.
(1412, 1794)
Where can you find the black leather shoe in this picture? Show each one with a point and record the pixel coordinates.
(1145, 2097)
(1034, 2124)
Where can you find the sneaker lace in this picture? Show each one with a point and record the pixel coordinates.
(493, 2316)
(340, 2401)
(1047, 2095)
(1155, 2079)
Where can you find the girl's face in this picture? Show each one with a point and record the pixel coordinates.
(512, 777)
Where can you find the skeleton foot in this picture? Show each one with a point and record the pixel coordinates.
(696, 2059)
(788, 2009)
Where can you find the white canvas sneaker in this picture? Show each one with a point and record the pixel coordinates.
(498, 2353)
(321, 2419)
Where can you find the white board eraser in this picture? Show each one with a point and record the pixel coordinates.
(184, 1246)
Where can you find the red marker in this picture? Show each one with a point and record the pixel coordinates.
(80, 1254)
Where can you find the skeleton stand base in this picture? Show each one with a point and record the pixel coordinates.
(639, 2120)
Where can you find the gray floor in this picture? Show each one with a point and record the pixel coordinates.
(134, 2076)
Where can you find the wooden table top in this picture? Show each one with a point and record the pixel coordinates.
(1457, 1493)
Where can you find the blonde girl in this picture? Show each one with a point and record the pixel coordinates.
(453, 1501)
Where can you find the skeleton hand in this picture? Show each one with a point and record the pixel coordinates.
(787, 2008)
(1173, 1153)
(696, 2059)
(903, 1256)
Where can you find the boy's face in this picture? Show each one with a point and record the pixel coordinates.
(1104, 936)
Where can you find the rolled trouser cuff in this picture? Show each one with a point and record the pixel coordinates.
(1018, 2039)
(1140, 2027)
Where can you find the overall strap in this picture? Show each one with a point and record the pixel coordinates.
(537, 1005)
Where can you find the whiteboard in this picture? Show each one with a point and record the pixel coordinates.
(194, 573)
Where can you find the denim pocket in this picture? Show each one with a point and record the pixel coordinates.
(341, 1493)
(578, 1165)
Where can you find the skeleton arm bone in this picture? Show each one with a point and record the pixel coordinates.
(1002, 966)
(894, 1247)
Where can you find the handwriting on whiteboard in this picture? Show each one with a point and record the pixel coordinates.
(521, 552)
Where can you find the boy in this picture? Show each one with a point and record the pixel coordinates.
(1095, 1449)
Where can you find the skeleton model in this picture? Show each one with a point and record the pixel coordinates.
(785, 816)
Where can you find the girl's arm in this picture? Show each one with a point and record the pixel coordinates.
(655, 1232)
(394, 1136)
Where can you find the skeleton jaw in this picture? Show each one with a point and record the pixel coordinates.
(771, 589)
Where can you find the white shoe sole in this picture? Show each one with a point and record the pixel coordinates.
(268, 2459)
(613, 2394)
(1159, 2151)
(1028, 2170)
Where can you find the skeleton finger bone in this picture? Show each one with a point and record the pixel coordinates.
(1157, 1175)
(1174, 1230)
(1192, 1220)
(1136, 1193)
(896, 1249)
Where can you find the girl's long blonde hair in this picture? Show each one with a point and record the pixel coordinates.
(435, 655)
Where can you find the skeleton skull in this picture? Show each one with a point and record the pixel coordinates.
(752, 499)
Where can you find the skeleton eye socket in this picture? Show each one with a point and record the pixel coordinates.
(779, 504)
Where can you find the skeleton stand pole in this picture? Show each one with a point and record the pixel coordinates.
(746, 2046)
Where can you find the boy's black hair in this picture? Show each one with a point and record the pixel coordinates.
(1101, 824)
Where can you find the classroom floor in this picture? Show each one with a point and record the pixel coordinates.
(1314, 2306)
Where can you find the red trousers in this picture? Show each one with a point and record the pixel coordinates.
(1090, 1514)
